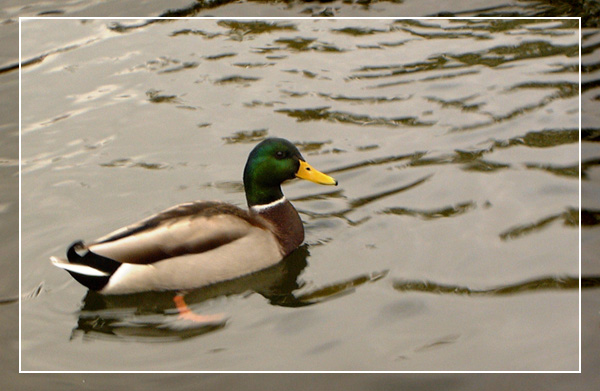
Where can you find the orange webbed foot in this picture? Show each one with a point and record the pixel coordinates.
(186, 313)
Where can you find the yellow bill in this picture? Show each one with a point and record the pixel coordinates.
(310, 174)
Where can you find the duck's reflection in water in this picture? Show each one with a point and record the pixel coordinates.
(155, 316)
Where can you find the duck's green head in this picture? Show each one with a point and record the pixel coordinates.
(272, 162)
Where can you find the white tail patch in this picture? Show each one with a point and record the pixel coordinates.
(77, 268)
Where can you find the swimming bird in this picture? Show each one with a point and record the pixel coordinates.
(203, 242)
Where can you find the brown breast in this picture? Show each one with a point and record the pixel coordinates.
(286, 224)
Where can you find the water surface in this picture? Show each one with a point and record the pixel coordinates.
(450, 244)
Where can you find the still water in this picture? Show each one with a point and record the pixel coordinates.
(451, 242)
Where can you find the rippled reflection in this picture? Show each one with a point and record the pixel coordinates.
(153, 315)
(531, 286)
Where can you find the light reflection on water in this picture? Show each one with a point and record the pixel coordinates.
(446, 138)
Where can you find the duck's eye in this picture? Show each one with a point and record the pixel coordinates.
(279, 154)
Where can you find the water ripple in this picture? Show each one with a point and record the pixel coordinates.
(323, 113)
(247, 136)
(570, 218)
(125, 162)
(447, 211)
(590, 218)
(155, 96)
(302, 44)
(534, 285)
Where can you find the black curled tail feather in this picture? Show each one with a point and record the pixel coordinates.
(93, 260)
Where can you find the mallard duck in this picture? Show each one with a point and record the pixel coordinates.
(204, 242)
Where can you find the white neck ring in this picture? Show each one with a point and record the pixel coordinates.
(260, 208)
